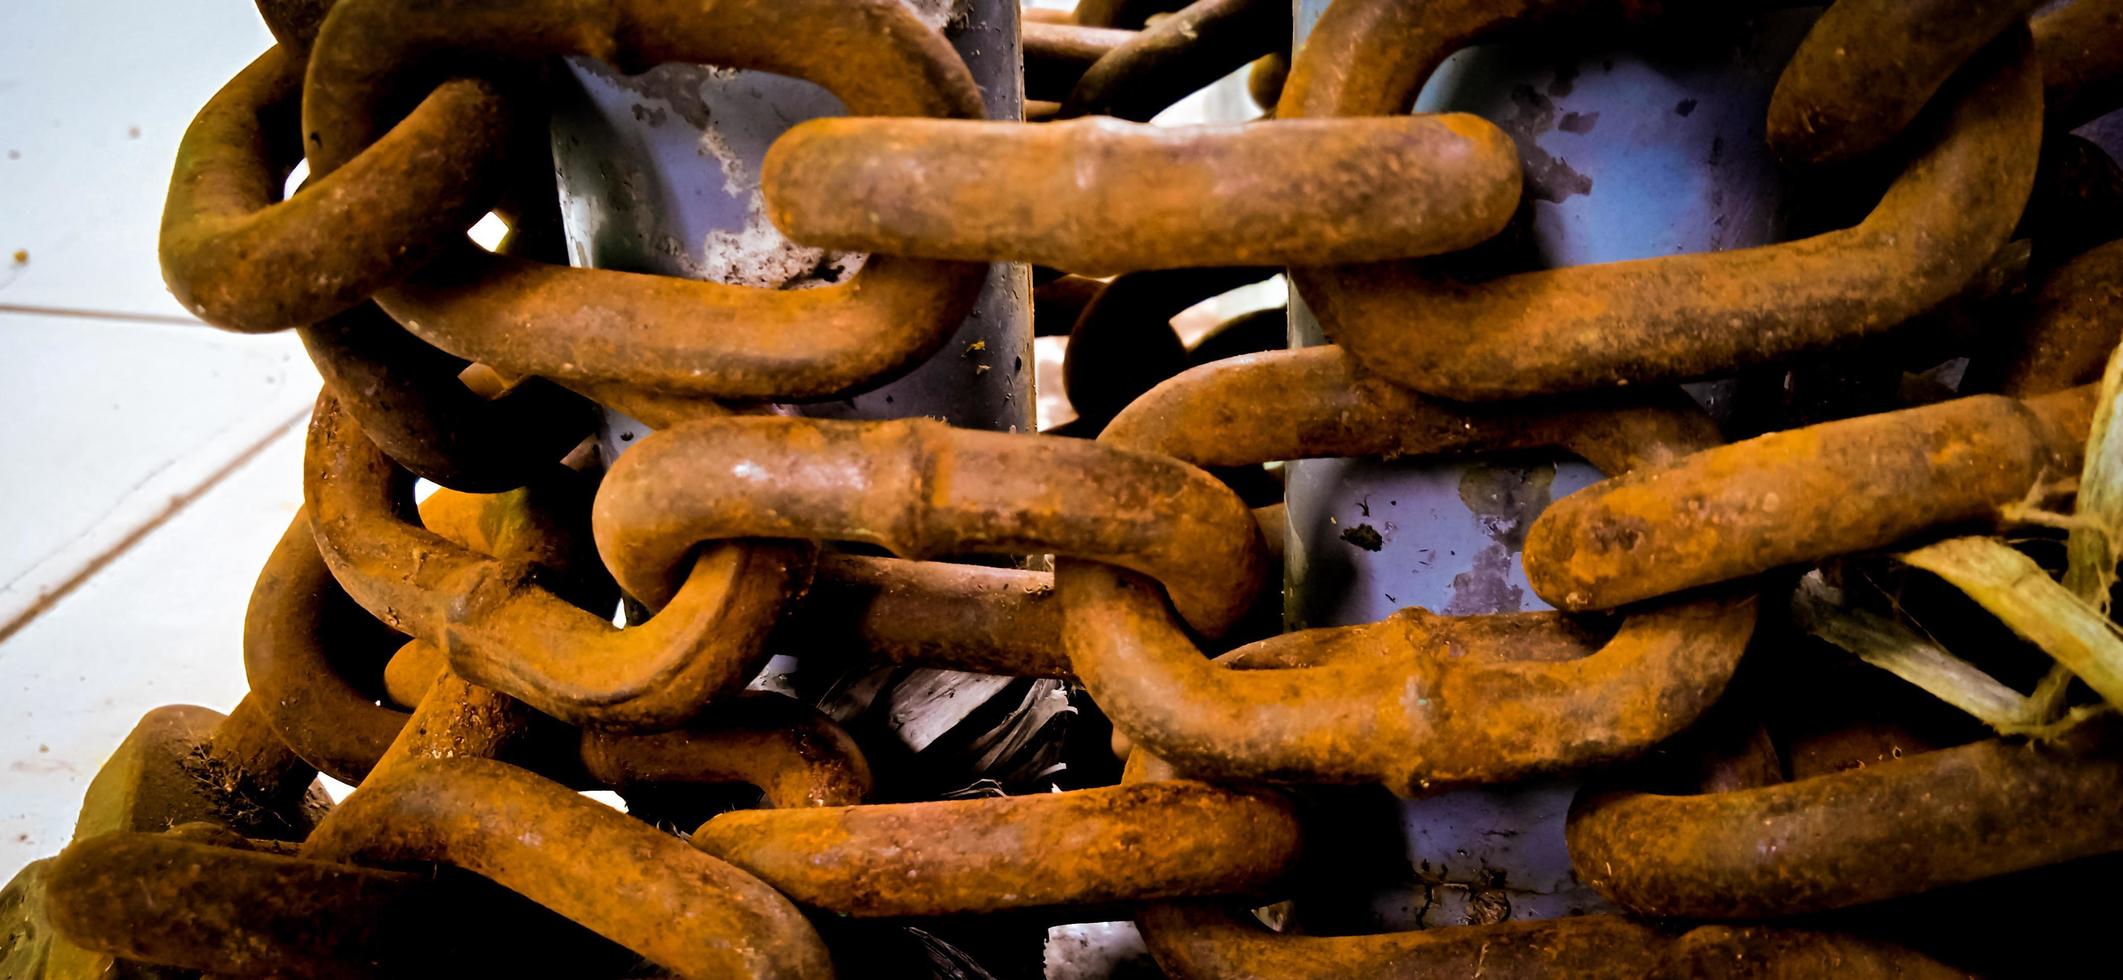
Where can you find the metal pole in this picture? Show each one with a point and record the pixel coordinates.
(659, 172)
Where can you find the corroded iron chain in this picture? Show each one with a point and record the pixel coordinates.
(552, 621)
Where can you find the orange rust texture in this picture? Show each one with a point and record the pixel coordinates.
(1116, 843)
(1058, 302)
(1178, 55)
(408, 673)
(294, 23)
(1868, 66)
(1127, 14)
(674, 335)
(1101, 196)
(239, 260)
(1200, 940)
(1402, 710)
(1840, 839)
(1122, 342)
(646, 890)
(928, 614)
(408, 398)
(1265, 82)
(1800, 496)
(219, 211)
(931, 614)
(454, 717)
(2073, 321)
(245, 758)
(1672, 318)
(169, 900)
(2081, 47)
(502, 629)
(916, 613)
(795, 754)
(169, 770)
(1056, 54)
(1208, 939)
(920, 488)
(299, 629)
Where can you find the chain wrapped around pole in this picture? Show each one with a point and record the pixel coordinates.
(704, 624)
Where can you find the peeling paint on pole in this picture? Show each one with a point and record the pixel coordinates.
(659, 172)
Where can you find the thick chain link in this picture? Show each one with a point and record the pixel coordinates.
(460, 661)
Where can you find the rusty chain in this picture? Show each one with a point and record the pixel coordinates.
(459, 661)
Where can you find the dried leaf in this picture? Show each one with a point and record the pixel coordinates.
(1817, 608)
(2024, 597)
(2090, 570)
(2094, 536)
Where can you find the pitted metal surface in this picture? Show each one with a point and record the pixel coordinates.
(1902, 345)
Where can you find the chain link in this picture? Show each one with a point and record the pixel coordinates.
(462, 664)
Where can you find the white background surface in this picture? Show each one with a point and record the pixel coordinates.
(150, 461)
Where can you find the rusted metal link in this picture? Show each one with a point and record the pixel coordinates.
(453, 717)
(928, 614)
(2081, 47)
(299, 631)
(2077, 205)
(545, 523)
(405, 393)
(1832, 841)
(795, 754)
(1123, 343)
(646, 890)
(885, 610)
(302, 630)
(1179, 55)
(919, 488)
(244, 759)
(179, 765)
(239, 260)
(1868, 66)
(294, 23)
(1047, 15)
(1220, 939)
(1264, 84)
(182, 763)
(1669, 318)
(684, 336)
(1247, 333)
(1057, 303)
(2072, 322)
(1204, 940)
(1408, 707)
(168, 900)
(1115, 843)
(409, 400)
(502, 629)
(1099, 196)
(1802, 495)
(790, 751)
(1126, 14)
(1056, 54)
